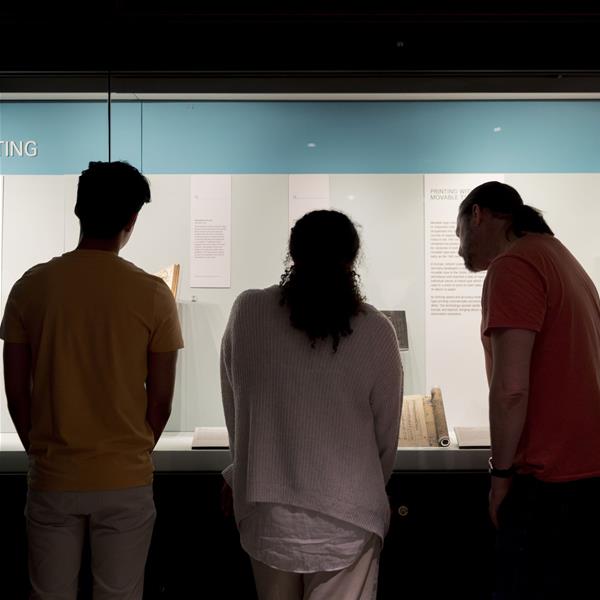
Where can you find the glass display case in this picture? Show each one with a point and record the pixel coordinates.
(230, 174)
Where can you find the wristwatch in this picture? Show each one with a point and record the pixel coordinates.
(502, 473)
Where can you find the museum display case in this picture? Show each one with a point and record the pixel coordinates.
(229, 173)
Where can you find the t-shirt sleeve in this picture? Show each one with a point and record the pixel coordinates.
(514, 296)
(166, 335)
(12, 328)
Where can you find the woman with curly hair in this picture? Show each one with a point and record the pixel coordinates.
(312, 393)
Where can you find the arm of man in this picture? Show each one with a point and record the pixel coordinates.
(509, 394)
(160, 384)
(18, 383)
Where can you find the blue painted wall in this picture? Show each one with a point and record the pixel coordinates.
(274, 137)
(69, 135)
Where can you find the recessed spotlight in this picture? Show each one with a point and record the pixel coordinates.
(311, 145)
(497, 129)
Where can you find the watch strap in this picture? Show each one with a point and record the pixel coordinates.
(502, 473)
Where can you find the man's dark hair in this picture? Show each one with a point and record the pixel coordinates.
(108, 195)
(321, 287)
(504, 201)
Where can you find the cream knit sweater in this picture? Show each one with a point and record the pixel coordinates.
(307, 426)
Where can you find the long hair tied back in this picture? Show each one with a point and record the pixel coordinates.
(504, 201)
(320, 287)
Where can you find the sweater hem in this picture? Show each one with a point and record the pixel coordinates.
(363, 517)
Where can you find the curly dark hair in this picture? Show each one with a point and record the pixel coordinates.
(321, 287)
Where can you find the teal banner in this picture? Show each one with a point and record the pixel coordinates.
(303, 137)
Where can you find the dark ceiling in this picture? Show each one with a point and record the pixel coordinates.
(293, 36)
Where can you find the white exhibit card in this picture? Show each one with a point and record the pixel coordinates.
(307, 193)
(210, 259)
(454, 354)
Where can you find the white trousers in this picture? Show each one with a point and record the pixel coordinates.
(120, 524)
(356, 582)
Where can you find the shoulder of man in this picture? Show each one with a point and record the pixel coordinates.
(526, 255)
(143, 277)
(530, 249)
(32, 275)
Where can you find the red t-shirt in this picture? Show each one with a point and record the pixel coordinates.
(539, 285)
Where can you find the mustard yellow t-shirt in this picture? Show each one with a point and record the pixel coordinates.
(90, 318)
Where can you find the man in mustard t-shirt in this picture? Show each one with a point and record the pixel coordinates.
(89, 364)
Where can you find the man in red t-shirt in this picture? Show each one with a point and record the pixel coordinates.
(541, 336)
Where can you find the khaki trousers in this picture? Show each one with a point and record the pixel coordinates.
(356, 582)
(120, 524)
